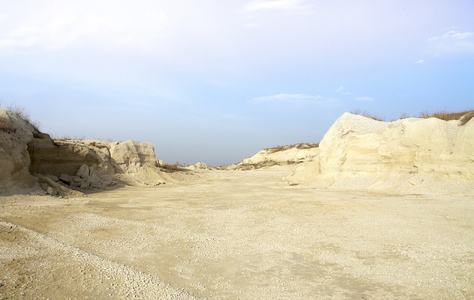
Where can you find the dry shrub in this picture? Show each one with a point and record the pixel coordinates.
(265, 164)
(69, 138)
(297, 146)
(177, 167)
(404, 116)
(366, 114)
(463, 116)
(21, 112)
(98, 145)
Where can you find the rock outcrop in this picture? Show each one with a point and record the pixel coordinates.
(29, 158)
(200, 166)
(15, 134)
(407, 155)
(283, 155)
(130, 162)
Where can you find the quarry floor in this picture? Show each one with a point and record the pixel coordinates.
(237, 235)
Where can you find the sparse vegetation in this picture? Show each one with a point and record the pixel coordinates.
(21, 112)
(297, 146)
(463, 116)
(69, 138)
(98, 145)
(366, 114)
(171, 168)
(265, 164)
(448, 116)
(404, 116)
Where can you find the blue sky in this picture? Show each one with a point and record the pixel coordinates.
(216, 81)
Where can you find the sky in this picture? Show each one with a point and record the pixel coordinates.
(217, 81)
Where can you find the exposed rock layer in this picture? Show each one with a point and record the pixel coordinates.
(15, 134)
(285, 155)
(29, 158)
(405, 155)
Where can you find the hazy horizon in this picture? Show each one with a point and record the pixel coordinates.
(216, 81)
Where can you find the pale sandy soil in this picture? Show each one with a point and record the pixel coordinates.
(237, 235)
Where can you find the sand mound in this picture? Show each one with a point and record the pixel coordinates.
(410, 155)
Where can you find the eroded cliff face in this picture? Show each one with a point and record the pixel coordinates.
(29, 158)
(284, 155)
(358, 152)
(58, 157)
(292, 155)
(129, 156)
(15, 134)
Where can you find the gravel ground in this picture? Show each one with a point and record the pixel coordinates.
(237, 235)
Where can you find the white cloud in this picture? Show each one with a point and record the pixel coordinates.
(450, 35)
(274, 5)
(64, 25)
(24, 36)
(364, 99)
(452, 42)
(292, 98)
(341, 91)
(14, 43)
(23, 31)
(420, 61)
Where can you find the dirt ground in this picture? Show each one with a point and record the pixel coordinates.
(237, 235)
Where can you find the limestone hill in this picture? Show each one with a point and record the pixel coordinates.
(408, 156)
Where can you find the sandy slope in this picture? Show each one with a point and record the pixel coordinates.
(237, 235)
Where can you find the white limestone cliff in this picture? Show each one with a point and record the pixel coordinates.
(407, 155)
